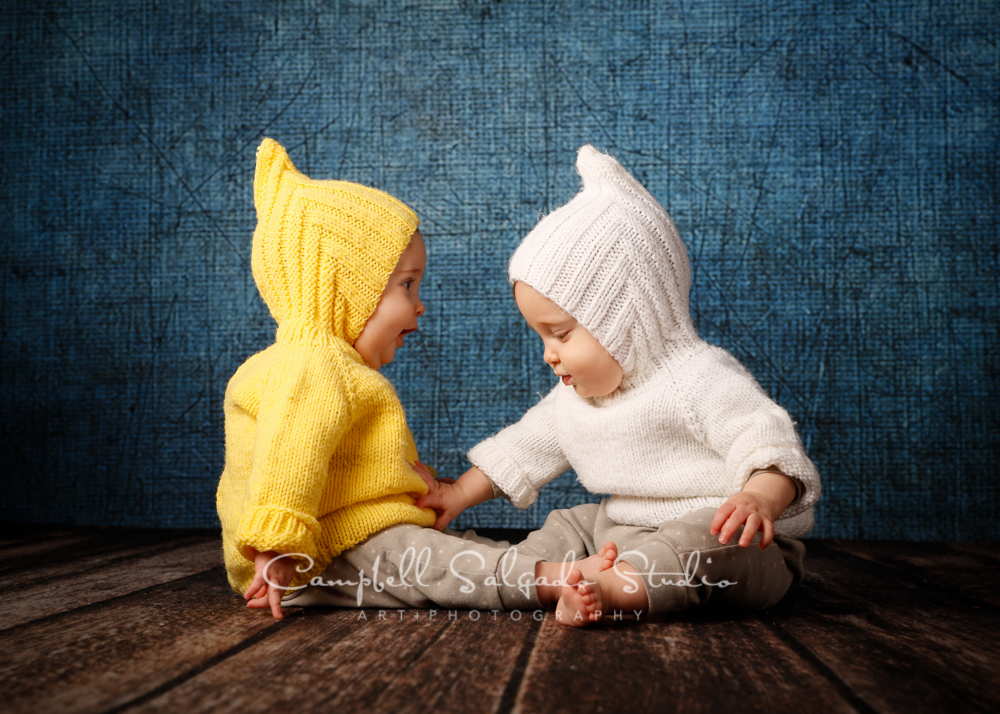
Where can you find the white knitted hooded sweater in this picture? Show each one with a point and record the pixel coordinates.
(688, 425)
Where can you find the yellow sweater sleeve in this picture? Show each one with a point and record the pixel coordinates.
(304, 412)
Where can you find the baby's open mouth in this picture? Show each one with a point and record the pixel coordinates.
(399, 337)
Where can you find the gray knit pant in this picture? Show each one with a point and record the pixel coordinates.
(681, 564)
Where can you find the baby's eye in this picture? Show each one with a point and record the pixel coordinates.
(561, 336)
(407, 284)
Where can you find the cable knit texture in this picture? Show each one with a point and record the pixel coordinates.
(317, 445)
(689, 424)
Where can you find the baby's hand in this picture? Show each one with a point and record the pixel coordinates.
(447, 499)
(753, 509)
(433, 484)
(266, 592)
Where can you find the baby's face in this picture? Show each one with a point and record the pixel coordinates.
(570, 350)
(398, 308)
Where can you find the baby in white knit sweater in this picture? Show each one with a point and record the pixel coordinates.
(676, 431)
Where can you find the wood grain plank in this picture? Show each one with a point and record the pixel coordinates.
(65, 586)
(988, 550)
(34, 553)
(18, 533)
(875, 627)
(468, 669)
(899, 644)
(99, 657)
(332, 660)
(967, 571)
(39, 554)
(684, 663)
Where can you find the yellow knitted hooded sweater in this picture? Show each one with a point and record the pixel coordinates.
(318, 451)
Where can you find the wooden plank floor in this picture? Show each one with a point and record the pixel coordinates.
(113, 620)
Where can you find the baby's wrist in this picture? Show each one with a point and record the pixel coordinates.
(774, 487)
(463, 501)
(769, 470)
(476, 486)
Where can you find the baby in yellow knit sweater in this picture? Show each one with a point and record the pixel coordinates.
(318, 453)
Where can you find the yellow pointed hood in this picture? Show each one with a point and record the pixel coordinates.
(323, 251)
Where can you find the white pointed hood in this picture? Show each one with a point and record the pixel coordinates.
(613, 259)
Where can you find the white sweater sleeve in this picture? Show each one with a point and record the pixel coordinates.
(745, 427)
(524, 456)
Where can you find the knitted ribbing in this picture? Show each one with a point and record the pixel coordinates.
(612, 259)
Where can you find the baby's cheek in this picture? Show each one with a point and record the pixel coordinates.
(402, 311)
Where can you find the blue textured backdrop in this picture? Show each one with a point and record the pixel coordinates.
(831, 166)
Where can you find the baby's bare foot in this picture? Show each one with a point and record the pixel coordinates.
(604, 560)
(581, 601)
(552, 577)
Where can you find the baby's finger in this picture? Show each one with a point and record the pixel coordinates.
(255, 587)
(442, 521)
(431, 500)
(275, 597)
(423, 472)
(768, 534)
(731, 525)
(720, 517)
(259, 603)
(750, 530)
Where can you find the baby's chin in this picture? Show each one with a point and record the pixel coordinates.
(583, 391)
(387, 356)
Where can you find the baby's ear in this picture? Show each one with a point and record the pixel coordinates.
(272, 162)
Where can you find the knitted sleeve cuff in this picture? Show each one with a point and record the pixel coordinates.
(498, 492)
(284, 530)
(503, 473)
